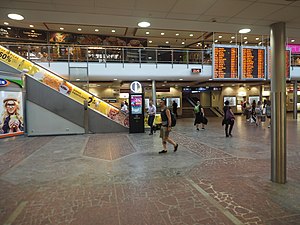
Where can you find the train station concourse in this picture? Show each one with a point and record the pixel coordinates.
(140, 112)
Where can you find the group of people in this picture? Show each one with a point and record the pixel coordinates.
(256, 112)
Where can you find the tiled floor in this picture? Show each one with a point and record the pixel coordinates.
(121, 179)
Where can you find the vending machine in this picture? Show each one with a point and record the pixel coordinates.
(136, 113)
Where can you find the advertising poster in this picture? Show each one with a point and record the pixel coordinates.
(231, 99)
(136, 104)
(62, 86)
(11, 111)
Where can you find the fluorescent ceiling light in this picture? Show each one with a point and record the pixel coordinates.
(144, 24)
(14, 16)
(244, 30)
(6, 23)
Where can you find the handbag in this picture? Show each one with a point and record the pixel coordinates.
(205, 121)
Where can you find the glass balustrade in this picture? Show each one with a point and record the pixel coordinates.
(103, 54)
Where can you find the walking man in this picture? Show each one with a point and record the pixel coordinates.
(151, 113)
(166, 127)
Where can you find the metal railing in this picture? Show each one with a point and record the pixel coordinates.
(112, 54)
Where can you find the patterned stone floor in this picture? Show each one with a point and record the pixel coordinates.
(121, 179)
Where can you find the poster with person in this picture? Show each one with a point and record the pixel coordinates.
(11, 111)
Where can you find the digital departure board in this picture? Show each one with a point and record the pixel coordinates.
(287, 64)
(225, 64)
(253, 63)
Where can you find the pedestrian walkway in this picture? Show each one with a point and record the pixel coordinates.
(120, 179)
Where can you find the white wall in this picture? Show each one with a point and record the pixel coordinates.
(133, 71)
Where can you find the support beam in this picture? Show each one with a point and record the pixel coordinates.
(278, 94)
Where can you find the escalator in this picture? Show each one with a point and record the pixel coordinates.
(54, 97)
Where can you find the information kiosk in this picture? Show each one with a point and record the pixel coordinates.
(136, 108)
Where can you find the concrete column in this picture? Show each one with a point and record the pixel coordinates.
(278, 105)
(154, 92)
(295, 100)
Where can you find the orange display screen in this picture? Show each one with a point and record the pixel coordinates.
(226, 62)
(253, 63)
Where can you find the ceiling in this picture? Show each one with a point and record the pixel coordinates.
(193, 20)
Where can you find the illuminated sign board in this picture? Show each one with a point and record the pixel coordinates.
(287, 64)
(225, 62)
(253, 63)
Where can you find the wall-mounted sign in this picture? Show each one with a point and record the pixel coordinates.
(196, 71)
(136, 87)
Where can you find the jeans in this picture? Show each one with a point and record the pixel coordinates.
(150, 122)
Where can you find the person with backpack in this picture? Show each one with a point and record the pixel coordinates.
(199, 116)
(166, 126)
(228, 119)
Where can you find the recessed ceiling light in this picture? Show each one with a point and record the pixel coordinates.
(31, 26)
(177, 34)
(216, 41)
(98, 85)
(246, 42)
(113, 31)
(167, 42)
(233, 37)
(163, 85)
(148, 79)
(259, 43)
(115, 79)
(220, 36)
(8, 28)
(187, 86)
(191, 35)
(150, 42)
(96, 30)
(144, 24)
(183, 43)
(14, 16)
(32, 31)
(61, 28)
(244, 30)
(147, 32)
(162, 33)
(79, 29)
(257, 38)
(6, 23)
(292, 40)
(230, 42)
(77, 79)
(245, 38)
(180, 79)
